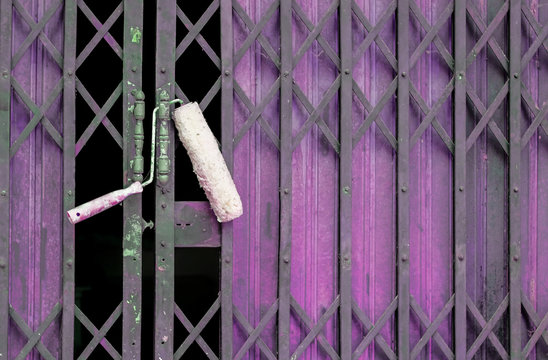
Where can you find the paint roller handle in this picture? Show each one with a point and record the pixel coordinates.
(102, 203)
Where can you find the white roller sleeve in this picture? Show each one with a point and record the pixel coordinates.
(208, 162)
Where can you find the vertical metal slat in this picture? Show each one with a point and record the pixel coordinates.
(403, 178)
(286, 104)
(164, 279)
(132, 217)
(5, 99)
(227, 135)
(69, 130)
(345, 180)
(459, 179)
(514, 221)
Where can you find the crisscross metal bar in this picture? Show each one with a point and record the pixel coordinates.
(36, 30)
(532, 105)
(315, 33)
(96, 332)
(272, 54)
(430, 116)
(199, 38)
(376, 329)
(92, 44)
(537, 28)
(432, 328)
(305, 319)
(378, 40)
(199, 339)
(37, 335)
(257, 30)
(487, 117)
(535, 318)
(538, 119)
(101, 333)
(432, 34)
(257, 111)
(328, 95)
(254, 335)
(55, 54)
(111, 41)
(379, 339)
(373, 33)
(539, 331)
(193, 33)
(196, 330)
(249, 329)
(374, 115)
(27, 331)
(534, 47)
(487, 328)
(39, 115)
(487, 32)
(331, 54)
(317, 328)
(264, 124)
(100, 117)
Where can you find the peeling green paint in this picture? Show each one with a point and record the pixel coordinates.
(130, 252)
(135, 35)
(138, 317)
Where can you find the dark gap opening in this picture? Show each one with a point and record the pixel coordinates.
(99, 171)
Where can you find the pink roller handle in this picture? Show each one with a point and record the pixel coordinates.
(102, 203)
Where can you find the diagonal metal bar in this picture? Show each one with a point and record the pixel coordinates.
(37, 335)
(27, 331)
(373, 33)
(486, 117)
(257, 29)
(379, 339)
(211, 94)
(257, 111)
(376, 329)
(539, 331)
(249, 329)
(180, 94)
(55, 54)
(305, 319)
(98, 25)
(191, 35)
(261, 38)
(315, 33)
(537, 28)
(199, 39)
(39, 115)
(539, 118)
(487, 328)
(193, 335)
(378, 40)
(432, 34)
(331, 54)
(374, 114)
(264, 124)
(378, 118)
(94, 331)
(535, 318)
(101, 333)
(99, 35)
(189, 327)
(534, 47)
(321, 122)
(316, 113)
(430, 116)
(36, 30)
(532, 105)
(432, 328)
(435, 124)
(254, 335)
(317, 328)
(423, 318)
(487, 32)
(100, 116)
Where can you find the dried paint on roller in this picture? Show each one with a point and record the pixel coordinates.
(208, 162)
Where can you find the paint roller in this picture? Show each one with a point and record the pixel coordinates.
(207, 161)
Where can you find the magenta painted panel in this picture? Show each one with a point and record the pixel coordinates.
(36, 169)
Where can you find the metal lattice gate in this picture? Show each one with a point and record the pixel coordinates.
(391, 157)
